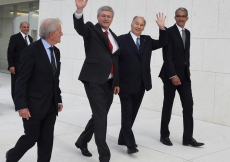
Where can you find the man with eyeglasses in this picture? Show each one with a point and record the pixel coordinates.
(18, 42)
(99, 74)
(175, 75)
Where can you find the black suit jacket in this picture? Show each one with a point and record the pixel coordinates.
(98, 61)
(135, 64)
(175, 55)
(36, 86)
(16, 45)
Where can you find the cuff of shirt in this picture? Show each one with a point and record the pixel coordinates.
(172, 76)
(60, 103)
(77, 15)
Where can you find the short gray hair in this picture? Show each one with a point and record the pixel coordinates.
(48, 26)
(140, 17)
(182, 9)
(23, 23)
(105, 8)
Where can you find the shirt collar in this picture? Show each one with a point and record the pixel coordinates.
(134, 36)
(45, 44)
(105, 30)
(23, 34)
(180, 28)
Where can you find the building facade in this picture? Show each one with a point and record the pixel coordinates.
(12, 13)
(210, 45)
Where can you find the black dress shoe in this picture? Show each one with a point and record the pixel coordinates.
(132, 150)
(84, 150)
(192, 142)
(166, 141)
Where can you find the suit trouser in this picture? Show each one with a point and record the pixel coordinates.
(13, 81)
(100, 98)
(130, 104)
(185, 93)
(40, 131)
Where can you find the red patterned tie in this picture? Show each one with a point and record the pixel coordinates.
(111, 50)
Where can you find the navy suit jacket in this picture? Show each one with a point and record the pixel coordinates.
(134, 64)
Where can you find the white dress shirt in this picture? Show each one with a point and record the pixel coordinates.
(135, 38)
(47, 46)
(180, 29)
(27, 38)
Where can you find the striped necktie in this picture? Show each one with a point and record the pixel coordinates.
(52, 60)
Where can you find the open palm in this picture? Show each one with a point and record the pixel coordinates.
(81, 3)
(160, 20)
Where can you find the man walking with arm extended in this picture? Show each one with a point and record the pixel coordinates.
(135, 74)
(99, 74)
(175, 74)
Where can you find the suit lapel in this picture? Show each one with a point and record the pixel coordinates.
(179, 36)
(103, 37)
(142, 43)
(31, 39)
(132, 43)
(22, 39)
(57, 59)
(187, 39)
(44, 57)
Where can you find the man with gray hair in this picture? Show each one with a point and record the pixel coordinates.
(37, 93)
(175, 74)
(18, 42)
(135, 74)
(99, 74)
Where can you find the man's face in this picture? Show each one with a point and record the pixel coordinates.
(138, 26)
(181, 18)
(105, 19)
(56, 36)
(25, 27)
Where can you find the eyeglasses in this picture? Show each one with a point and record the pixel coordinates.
(26, 27)
(181, 16)
(106, 16)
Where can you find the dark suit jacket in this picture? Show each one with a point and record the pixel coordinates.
(16, 45)
(135, 64)
(98, 61)
(175, 55)
(36, 86)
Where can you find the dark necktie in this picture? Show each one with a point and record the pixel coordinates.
(52, 60)
(183, 37)
(111, 50)
(137, 43)
(26, 40)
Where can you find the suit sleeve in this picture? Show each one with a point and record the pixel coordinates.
(25, 72)
(80, 27)
(11, 51)
(162, 42)
(167, 57)
(58, 89)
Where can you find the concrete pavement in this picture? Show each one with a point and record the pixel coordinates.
(72, 120)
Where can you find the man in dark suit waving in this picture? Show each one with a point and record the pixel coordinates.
(37, 93)
(18, 42)
(135, 74)
(99, 74)
(175, 75)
